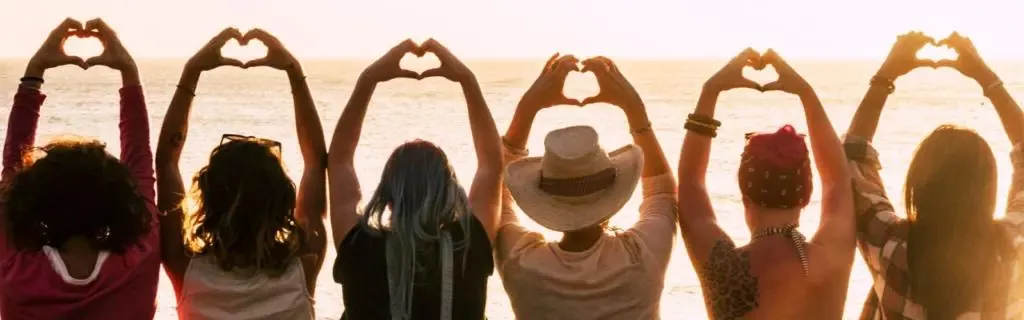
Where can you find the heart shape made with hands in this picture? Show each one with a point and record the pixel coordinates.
(244, 50)
(419, 61)
(758, 74)
(580, 85)
(83, 44)
(935, 52)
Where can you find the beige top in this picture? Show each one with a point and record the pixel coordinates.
(620, 277)
(211, 293)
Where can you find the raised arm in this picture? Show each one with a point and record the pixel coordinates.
(173, 132)
(136, 152)
(837, 230)
(341, 171)
(697, 221)
(969, 63)
(311, 200)
(485, 193)
(902, 59)
(24, 117)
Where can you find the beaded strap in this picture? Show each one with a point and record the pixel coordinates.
(797, 237)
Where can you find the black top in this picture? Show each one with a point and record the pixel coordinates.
(361, 269)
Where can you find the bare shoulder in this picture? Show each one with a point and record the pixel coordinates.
(730, 287)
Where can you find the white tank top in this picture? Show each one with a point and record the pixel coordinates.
(211, 293)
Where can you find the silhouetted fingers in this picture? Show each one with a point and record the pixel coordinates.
(922, 63)
(435, 72)
(437, 48)
(263, 36)
(100, 27)
(261, 62)
(231, 62)
(66, 28)
(225, 35)
(749, 84)
(591, 100)
(564, 65)
(948, 63)
(98, 61)
(598, 67)
(74, 60)
(774, 86)
(550, 64)
(402, 73)
(570, 102)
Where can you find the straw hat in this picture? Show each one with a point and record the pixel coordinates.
(575, 184)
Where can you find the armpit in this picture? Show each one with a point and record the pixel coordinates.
(730, 289)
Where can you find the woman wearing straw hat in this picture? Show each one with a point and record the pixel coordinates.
(778, 275)
(575, 187)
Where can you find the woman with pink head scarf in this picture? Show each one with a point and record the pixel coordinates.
(779, 274)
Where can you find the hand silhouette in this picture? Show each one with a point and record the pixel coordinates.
(51, 54)
(613, 86)
(731, 75)
(277, 56)
(547, 90)
(903, 57)
(387, 66)
(968, 61)
(789, 80)
(209, 57)
(114, 55)
(451, 68)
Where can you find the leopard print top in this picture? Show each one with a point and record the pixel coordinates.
(730, 289)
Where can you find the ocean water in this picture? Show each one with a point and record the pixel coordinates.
(258, 102)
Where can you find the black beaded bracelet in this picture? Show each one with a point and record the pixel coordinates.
(704, 119)
(700, 128)
(885, 82)
(32, 79)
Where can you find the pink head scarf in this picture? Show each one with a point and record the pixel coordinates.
(775, 170)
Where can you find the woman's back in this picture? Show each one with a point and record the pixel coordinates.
(361, 269)
(208, 292)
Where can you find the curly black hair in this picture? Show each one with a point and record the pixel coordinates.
(242, 210)
(73, 188)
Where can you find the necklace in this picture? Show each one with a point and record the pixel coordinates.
(796, 236)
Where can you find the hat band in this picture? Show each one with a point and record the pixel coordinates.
(578, 186)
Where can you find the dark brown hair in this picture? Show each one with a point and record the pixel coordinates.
(954, 244)
(73, 188)
(242, 210)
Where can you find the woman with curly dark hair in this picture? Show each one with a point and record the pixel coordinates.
(250, 247)
(79, 236)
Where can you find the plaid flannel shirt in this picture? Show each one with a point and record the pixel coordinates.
(882, 238)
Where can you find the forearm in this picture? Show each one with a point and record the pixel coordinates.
(485, 133)
(825, 145)
(696, 151)
(655, 163)
(350, 124)
(130, 77)
(21, 128)
(518, 132)
(865, 120)
(307, 121)
(174, 129)
(1009, 113)
(136, 150)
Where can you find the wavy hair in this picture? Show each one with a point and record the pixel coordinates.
(73, 188)
(954, 244)
(242, 210)
(420, 191)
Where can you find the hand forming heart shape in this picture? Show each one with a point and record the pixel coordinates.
(903, 57)
(388, 66)
(209, 56)
(613, 88)
(731, 76)
(52, 54)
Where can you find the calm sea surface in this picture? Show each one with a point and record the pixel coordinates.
(258, 102)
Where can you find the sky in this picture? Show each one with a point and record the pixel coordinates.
(639, 29)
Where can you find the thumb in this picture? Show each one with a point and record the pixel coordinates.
(750, 84)
(920, 63)
(231, 62)
(78, 61)
(946, 63)
(96, 61)
(408, 74)
(592, 100)
(774, 86)
(435, 72)
(255, 63)
(567, 101)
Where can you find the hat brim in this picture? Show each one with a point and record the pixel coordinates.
(570, 214)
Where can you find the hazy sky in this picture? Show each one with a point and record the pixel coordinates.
(532, 28)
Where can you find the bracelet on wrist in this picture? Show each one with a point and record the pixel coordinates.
(643, 129)
(987, 91)
(885, 82)
(514, 150)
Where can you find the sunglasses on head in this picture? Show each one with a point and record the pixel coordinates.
(272, 144)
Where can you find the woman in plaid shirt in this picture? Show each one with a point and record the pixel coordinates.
(949, 259)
